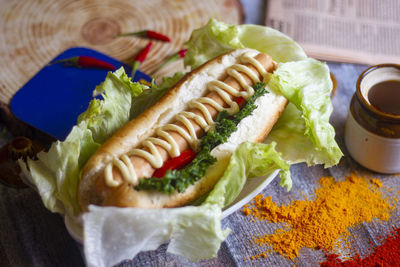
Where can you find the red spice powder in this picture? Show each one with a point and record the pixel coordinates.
(387, 254)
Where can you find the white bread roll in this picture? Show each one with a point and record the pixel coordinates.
(253, 128)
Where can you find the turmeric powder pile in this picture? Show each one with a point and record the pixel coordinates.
(320, 223)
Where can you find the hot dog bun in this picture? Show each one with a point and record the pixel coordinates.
(253, 128)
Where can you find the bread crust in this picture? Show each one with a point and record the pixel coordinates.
(193, 85)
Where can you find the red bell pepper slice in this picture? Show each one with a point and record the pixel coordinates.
(240, 101)
(175, 163)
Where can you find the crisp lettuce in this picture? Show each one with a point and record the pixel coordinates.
(195, 231)
(217, 38)
(55, 174)
(249, 160)
(303, 132)
(104, 117)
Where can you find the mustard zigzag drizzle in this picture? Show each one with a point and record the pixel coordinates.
(166, 141)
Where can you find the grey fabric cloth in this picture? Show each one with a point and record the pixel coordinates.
(32, 236)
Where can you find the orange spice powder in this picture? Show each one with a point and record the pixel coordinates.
(322, 222)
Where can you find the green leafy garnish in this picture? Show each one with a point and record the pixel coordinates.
(180, 179)
(225, 125)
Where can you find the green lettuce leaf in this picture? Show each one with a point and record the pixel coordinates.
(249, 160)
(194, 232)
(217, 38)
(56, 173)
(104, 117)
(303, 133)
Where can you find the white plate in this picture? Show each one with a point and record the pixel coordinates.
(252, 187)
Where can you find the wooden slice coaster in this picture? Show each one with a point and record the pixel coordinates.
(34, 32)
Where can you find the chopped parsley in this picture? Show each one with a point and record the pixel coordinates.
(225, 125)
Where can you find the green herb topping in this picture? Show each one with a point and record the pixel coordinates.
(225, 125)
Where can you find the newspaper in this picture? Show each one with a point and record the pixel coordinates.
(354, 31)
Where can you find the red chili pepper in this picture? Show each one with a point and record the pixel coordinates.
(149, 34)
(182, 53)
(85, 62)
(240, 101)
(175, 163)
(174, 57)
(140, 58)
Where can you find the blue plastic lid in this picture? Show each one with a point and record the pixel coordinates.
(54, 98)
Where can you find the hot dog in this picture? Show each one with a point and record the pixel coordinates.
(176, 123)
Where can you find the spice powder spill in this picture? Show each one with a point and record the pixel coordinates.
(387, 254)
(322, 222)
